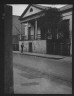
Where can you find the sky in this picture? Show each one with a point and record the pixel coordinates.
(17, 9)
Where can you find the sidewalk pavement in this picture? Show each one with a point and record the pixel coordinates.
(44, 55)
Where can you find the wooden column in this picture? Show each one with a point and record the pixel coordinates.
(35, 29)
(8, 64)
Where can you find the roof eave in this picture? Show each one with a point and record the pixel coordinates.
(21, 19)
(65, 8)
(25, 11)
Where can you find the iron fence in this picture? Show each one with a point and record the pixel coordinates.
(58, 48)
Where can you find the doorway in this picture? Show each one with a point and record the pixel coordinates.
(30, 47)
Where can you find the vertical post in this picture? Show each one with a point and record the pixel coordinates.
(71, 47)
(27, 31)
(71, 35)
(35, 29)
(8, 65)
(21, 32)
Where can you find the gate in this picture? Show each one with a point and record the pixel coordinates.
(58, 48)
(61, 44)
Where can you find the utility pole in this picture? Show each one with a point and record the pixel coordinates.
(8, 65)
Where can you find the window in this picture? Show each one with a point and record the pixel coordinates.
(31, 10)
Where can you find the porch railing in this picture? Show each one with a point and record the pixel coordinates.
(39, 36)
(30, 37)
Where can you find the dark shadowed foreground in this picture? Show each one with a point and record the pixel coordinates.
(35, 75)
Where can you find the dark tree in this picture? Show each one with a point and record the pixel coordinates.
(52, 17)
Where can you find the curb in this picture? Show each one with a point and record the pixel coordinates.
(56, 58)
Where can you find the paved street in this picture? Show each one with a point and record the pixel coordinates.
(42, 76)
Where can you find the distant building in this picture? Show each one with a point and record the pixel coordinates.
(16, 31)
(34, 37)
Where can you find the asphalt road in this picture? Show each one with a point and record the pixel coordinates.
(35, 75)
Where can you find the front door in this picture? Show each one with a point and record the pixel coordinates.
(30, 47)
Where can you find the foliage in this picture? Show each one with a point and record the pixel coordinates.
(53, 15)
(51, 20)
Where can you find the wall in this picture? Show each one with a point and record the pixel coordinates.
(15, 39)
(38, 46)
(16, 29)
(16, 26)
(23, 29)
